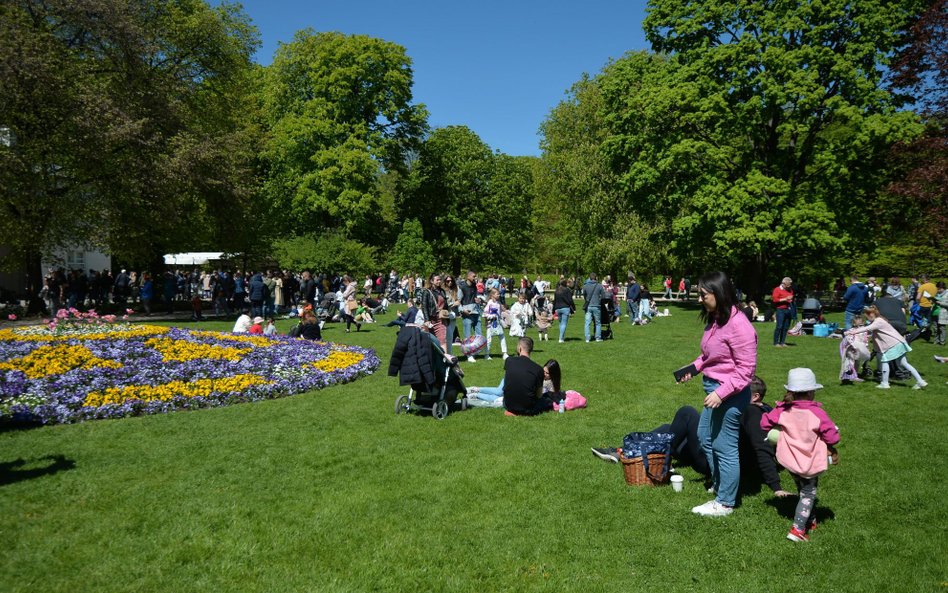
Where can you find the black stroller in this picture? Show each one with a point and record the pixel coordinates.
(433, 376)
(812, 314)
(328, 308)
(607, 311)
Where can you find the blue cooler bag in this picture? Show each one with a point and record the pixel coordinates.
(646, 458)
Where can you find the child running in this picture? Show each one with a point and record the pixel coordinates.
(807, 437)
(492, 314)
(890, 343)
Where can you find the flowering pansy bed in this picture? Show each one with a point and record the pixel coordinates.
(83, 372)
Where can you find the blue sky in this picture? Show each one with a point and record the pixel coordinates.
(496, 67)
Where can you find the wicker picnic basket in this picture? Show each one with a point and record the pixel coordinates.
(635, 474)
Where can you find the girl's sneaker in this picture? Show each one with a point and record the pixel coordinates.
(796, 535)
(882, 386)
(920, 385)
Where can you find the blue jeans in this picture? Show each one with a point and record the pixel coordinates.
(783, 325)
(471, 322)
(564, 314)
(593, 313)
(452, 324)
(645, 310)
(489, 394)
(718, 431)
(632, 308)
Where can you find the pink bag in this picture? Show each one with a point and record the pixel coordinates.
(573, 401)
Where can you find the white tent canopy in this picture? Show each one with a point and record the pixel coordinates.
(192, 259)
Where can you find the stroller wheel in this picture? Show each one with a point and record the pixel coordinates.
(401, 404)
(440, 410)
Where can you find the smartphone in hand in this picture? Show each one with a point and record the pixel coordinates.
(688, 370)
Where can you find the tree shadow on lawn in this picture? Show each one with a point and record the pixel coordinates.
(20, 469)
(786, 507)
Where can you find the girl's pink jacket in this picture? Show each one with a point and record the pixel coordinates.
(807, 430)
(729, 354)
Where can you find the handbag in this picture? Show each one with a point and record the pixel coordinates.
(444, 314)
(646, 457)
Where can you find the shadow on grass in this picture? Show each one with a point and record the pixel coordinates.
(786, 508)
(19, 469)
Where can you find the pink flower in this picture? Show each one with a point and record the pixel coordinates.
(129, 311)
(11, 317)
(62, 314)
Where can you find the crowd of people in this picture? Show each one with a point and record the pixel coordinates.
(796, 434)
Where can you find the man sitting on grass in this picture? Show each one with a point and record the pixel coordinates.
(523, 383)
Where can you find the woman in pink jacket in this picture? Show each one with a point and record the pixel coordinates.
(890, 343)
(728, 361)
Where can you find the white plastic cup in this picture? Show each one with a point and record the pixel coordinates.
(678, 482)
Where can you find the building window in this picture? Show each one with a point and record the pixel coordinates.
(75, 260)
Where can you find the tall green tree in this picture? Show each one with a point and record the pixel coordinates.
(583, 219)
(118, 123)
(509, 217)
(411, 252)
(450, 194)
(340, 116)
(327, 253)
(763, 138)
(919, 191)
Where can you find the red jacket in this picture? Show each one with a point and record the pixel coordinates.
(779, 295)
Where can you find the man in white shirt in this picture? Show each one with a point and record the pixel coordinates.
(243, 323)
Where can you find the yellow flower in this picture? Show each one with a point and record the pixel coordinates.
(54, 360)
(338, 360)
(167, 391)
(182, 350)
(39, 333)
(259, 341)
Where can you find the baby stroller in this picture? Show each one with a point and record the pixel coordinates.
(607, 309)
(328, 308)
(433, 376)
(812, 314)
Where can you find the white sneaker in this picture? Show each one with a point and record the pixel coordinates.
(712, 508)
(487, 357)
(561, 341)
(471, 359)
(920, 385)
(882, 386)
(506, 357)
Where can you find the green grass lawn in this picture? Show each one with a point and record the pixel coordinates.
(331, 491)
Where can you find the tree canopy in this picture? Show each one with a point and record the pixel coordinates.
(340, 115)
(756, 139)
(121, 129)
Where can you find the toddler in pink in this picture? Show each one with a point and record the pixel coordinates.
(807, 438)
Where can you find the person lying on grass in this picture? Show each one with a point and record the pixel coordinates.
(756, 453)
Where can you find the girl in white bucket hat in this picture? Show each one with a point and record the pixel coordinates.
(807, 438)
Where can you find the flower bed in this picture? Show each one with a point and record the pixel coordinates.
(108, 370)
